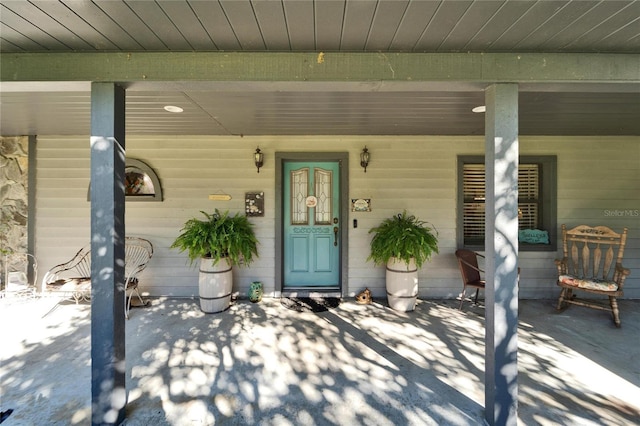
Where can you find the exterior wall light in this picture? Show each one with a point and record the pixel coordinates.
(258, 158)
(364, 158)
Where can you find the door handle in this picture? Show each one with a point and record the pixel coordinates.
(335, 235)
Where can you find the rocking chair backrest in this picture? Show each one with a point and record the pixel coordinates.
(591, 250)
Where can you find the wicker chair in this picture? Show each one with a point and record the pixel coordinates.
(471, 273)
(73, 278)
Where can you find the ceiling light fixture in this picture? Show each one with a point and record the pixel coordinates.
(173, 108)
(479, 109)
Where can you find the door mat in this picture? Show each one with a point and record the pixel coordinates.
(310, 304)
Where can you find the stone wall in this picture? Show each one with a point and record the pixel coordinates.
(14, 171)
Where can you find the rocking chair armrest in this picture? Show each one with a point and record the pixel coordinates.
(563, 261)
(622, 269)
(620, 275)
(561, 264)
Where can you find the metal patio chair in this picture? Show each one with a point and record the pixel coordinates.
(138, 252)
(16, 282)
(73, 278)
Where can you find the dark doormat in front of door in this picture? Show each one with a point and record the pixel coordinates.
(310, 304)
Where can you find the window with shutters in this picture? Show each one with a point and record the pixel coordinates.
(536, 202)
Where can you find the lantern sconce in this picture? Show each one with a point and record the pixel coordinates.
(364, 158)
(258, 158)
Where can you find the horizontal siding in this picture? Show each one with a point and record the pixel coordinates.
(597, 179)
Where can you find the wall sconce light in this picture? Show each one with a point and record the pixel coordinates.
(258, 158)
(364, 158)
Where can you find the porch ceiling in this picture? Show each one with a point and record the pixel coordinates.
(385, 26)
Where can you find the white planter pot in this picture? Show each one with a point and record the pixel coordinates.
(215, 285)
(402, 284)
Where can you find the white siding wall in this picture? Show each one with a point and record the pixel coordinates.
(598, 183)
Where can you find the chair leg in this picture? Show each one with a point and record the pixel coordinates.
(477, 292)
(127, 304)
(139, 297)
(127, 300)
(614, 309)
(561, 303)
(462, 295)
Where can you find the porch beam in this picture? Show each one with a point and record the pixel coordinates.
(314, 66)
(501, 245)
(108, 395)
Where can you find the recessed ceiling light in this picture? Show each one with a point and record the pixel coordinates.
(478, 109)
(173, 108)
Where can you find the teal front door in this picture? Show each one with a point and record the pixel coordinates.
(311, 240)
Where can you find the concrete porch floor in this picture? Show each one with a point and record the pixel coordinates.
(263, 364)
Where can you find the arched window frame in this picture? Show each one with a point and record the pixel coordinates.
(133, 165)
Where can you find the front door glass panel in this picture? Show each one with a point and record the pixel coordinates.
(324, 196)
(299, 194)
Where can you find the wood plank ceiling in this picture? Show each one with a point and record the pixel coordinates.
(526, 26)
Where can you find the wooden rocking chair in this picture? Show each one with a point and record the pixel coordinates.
(590, 264)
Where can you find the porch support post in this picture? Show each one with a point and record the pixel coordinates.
(31, 207)
(108, 395)
(501, 245)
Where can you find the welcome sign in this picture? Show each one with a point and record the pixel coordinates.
(533, 236)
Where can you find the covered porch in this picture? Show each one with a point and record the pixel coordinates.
(265, 364)
(556, 79)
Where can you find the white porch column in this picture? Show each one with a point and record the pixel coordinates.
(501, 245)
(108, 394)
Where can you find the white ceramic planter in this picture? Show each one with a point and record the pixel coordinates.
(215, 285)
(402, 284)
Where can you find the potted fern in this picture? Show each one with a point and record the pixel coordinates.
(402, 243)
(219, 242)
